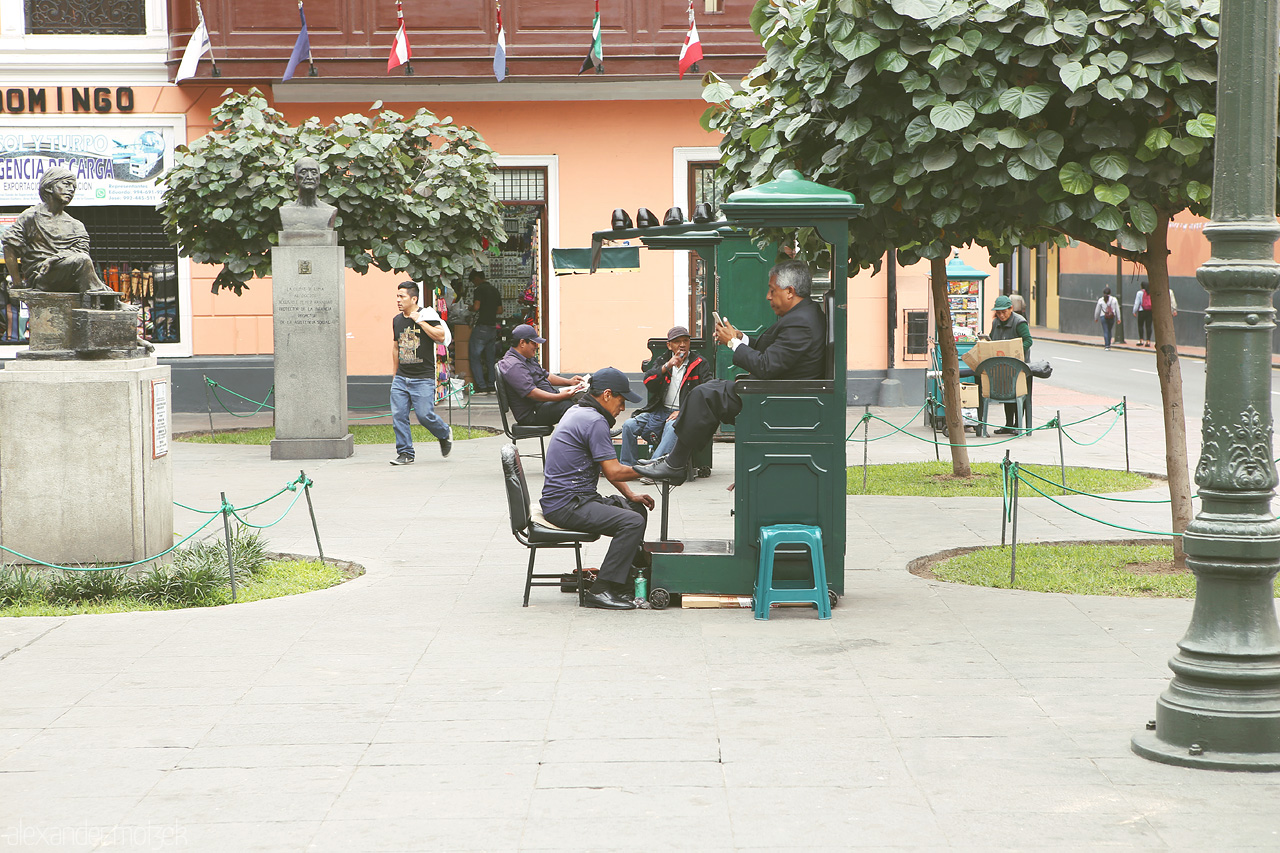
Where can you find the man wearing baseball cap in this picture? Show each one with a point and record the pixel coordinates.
(536, 397)
(579, 451)
(1006, 325)
(668, 382)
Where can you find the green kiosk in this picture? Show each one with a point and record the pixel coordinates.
(789, 451)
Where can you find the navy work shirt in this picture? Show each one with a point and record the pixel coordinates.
(522, 375)
(574, 453)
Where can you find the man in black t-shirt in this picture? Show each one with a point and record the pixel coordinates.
(486, 308)
(416, 331)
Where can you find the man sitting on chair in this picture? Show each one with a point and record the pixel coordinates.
(533, 394)
(794, 347)
(579, 450)
(669, 383)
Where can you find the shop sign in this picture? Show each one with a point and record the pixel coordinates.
(112, 165)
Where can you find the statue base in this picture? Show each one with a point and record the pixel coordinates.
(85, 475)
(61, 328)
(313, 448)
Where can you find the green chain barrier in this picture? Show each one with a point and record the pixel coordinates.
(293, 486)
(1052, 423)
(1018, 474)
(261, 405)
(1100, 497)
(1112, 426)
(461, 394)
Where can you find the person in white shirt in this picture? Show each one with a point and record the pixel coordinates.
(1106, 312)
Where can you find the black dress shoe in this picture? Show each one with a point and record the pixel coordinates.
(1006, 431)
(607, 600)
(661, 469)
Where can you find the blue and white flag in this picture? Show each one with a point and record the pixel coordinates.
(500, 52)
(301, 48)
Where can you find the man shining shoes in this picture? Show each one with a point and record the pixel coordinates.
(794, 347)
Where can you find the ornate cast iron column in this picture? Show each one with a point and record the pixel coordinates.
(1222, 709)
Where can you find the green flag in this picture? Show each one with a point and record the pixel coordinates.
(595, 55)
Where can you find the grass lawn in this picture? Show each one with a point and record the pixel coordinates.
(363, 434)
(275, 579)
(1087, 568)
(933, 479)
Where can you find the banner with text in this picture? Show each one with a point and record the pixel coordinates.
(117, 165)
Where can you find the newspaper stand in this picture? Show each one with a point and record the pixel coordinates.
(789, 454)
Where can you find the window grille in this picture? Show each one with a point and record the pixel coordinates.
(514, 184)
(917, 323)
(92, 17)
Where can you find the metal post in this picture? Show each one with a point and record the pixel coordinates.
(1124, 401)
(1013, 551)
(866, 427)
(1004, 508)
(1222, 708)
(1062, 459)
(306, 488)
(666, 501)
(226, 529)
(208, 404)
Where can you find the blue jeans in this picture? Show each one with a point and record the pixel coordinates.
(480, 352)
(1107, 326)
(419, 395)
(647, 424)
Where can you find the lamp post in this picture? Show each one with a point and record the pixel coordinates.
(1222, 708)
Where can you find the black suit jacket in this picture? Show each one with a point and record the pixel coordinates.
(795, 347)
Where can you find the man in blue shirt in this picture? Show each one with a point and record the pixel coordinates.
(536, 397)
(579, 451)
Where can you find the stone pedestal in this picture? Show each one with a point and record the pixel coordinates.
(310, 326)
(84, 466)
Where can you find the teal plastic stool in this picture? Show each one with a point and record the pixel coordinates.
(766, 593)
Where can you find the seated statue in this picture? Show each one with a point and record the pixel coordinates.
(308, 213)
(45, 248)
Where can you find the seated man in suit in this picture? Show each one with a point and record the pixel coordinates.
(792, 348)
(536, 397)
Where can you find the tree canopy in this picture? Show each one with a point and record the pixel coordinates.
(413, 195)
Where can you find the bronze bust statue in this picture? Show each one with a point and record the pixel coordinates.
(46, 248)
(308, 213)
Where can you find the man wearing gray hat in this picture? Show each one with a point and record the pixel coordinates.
(536, 397)
(579, 451)
(668, 382)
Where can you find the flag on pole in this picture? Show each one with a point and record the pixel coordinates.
(500, 52)
(691, 51)
(196, 48)
(301, 48)
(400, 47)
(595, 54)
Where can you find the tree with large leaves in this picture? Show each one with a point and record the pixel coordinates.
(994, 122)
(413, 195)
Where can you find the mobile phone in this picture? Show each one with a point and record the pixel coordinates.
(715, 316)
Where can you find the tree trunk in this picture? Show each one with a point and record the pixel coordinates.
(950, 367)
(1170, 374)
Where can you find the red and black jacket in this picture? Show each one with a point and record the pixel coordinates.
(657, 381)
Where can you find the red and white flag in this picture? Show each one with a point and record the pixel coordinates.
(400, 47)
(691, 51)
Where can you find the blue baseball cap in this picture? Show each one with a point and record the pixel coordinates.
(612, 379)
(525, 332)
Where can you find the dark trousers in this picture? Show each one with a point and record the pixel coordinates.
(709, 405)
(547, 413)
(614, 516)
(1146, 330)
(480, 355)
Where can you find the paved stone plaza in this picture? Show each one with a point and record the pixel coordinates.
(419, 707)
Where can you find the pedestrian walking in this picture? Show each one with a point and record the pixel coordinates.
(415, 332)
(1106, 312)
(1142, 310)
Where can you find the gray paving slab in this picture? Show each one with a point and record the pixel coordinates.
(419, 707)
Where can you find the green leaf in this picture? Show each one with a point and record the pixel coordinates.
(1043, 153)
(1019, 170)
(1025, 102)
(1202, 125)
(938, 159)
(1043, 35)
(1143, 216)
(1108, 219)
(919, 131)
(853, 128)
(1155, 55)
(1198, 191)
(919, 10)
(941, 55)
(1111, 165)
(717, 90)
(1188, 146)
(1074, 75)
(952, 116)
(890, 60)
(1157, 139)
(1012, 137)
(1071, 23)
(862, 44)
(1112, 194)
(1074, 179)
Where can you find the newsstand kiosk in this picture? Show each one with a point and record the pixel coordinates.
(789, 451)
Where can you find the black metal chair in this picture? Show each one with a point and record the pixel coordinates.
(998, 383)
(515, 431)
(533, 531)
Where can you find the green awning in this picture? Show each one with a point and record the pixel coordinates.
(576, 261)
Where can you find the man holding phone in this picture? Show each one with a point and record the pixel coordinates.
(536, 397)
(415, 332)
(669, 383)
(794, 347)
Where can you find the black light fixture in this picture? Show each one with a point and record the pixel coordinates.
(702, 213)
(645, 219)
(621, 220)
(675, 216)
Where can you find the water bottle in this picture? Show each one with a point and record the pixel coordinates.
(642, 585)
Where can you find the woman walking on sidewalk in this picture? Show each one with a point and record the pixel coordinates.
(1106, 312)
(1142, 310)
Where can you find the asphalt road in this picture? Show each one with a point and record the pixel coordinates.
(1118, 373)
